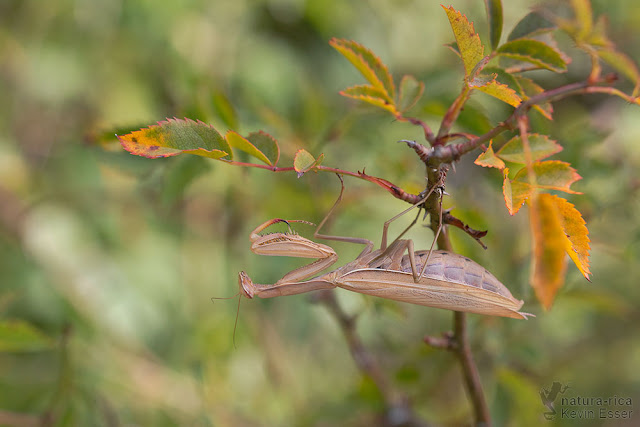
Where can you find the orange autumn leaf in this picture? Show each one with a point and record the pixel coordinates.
(549, 246)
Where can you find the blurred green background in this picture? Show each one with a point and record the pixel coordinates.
(113, 259)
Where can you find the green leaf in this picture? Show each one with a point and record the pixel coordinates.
(369, 65)
(468, 41)
(532, 24)
(502, 92)
(624, 65)
(474, 118)
(176, 136)
(541, 146)
(534, 52)
(224, 109)
(528, 89)
(551, 175)
(515, 193)
(237, 141)
(371, 95)
(494, 16)
(411, 91)
(304, 162)
(481, 80)
(267, 146)
(488, 159)
(20, 336)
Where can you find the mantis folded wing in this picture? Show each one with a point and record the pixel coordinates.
(448, 280)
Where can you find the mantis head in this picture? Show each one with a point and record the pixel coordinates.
(247, 288)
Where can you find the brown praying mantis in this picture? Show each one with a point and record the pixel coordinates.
(438, 278)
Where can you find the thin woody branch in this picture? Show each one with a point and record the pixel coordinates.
(395, 190)
(449, 219)
(397, 412)
(453, 152)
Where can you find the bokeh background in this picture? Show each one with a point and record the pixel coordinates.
(112, 259)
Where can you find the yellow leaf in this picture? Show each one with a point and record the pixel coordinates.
(369, 65)
(237, 141)
(549, 246)
(584, 17)
(468, 41)
(515, 193)
(576, 232)
(502, 92)
(304, 161)
(488, 159)
(371, 95)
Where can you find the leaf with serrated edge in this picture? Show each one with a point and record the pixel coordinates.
(502, 92)
(468, 41)
(541, 147)
(176, 136)
(494, 15)
(532, 24)
(549, 260)
(267, 145)
(576, 232)
(528, 89)
(488, 159)
(503, 77)
(534, 52)
(371, 95)
(303, 161)
(237, 141)
(410, 92)
(369, 65)
(623, 64)
(551, 175)
(515, 193)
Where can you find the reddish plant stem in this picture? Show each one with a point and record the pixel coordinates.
(396, 191)
(428, 133)
(452, 152)
(452, 114)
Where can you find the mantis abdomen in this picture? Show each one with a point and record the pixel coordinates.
(450, 281)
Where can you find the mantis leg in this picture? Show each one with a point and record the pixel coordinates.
(292, 245)
(282, 288)
(368, 243)
(435, 239)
